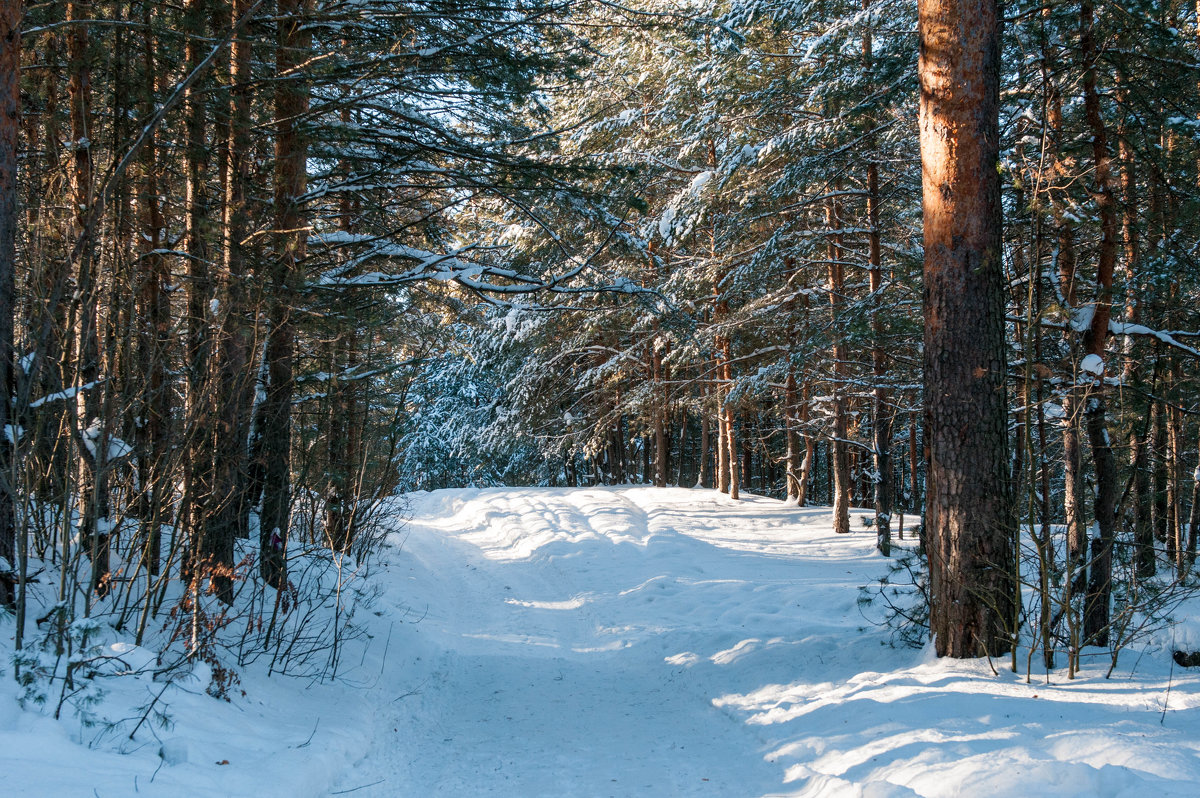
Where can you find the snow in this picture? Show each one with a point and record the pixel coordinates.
(630, 641)
(1092, 364)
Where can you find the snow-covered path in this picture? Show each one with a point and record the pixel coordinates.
(627, 642)
(643, 642)
(573, 637)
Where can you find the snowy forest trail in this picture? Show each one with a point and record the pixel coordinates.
(669, 642)
(572, 640)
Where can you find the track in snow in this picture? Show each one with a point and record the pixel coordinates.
(579, 642)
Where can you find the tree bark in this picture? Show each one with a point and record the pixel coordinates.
(969, 522)
(291, 150)
(1096, 610)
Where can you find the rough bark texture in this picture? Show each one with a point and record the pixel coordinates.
(969, 521)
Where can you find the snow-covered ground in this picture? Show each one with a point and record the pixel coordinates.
(636, 642)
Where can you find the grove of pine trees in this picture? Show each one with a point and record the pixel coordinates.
(266, 262)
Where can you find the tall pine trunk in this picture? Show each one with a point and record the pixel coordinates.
(968, 511)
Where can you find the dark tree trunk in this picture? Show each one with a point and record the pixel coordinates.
(10, 105)
(291, 150)
(969, 521)
(1099, 589)
(154, 433)
(234, 384)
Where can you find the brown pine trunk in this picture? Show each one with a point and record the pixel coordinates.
(969, 523)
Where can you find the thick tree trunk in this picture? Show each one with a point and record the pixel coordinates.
(969, 521)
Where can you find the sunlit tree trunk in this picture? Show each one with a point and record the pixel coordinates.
(969, 521)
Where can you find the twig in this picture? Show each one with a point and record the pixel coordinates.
(150, 708)
(310, 737)
(1167, 698)
(355, 789)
